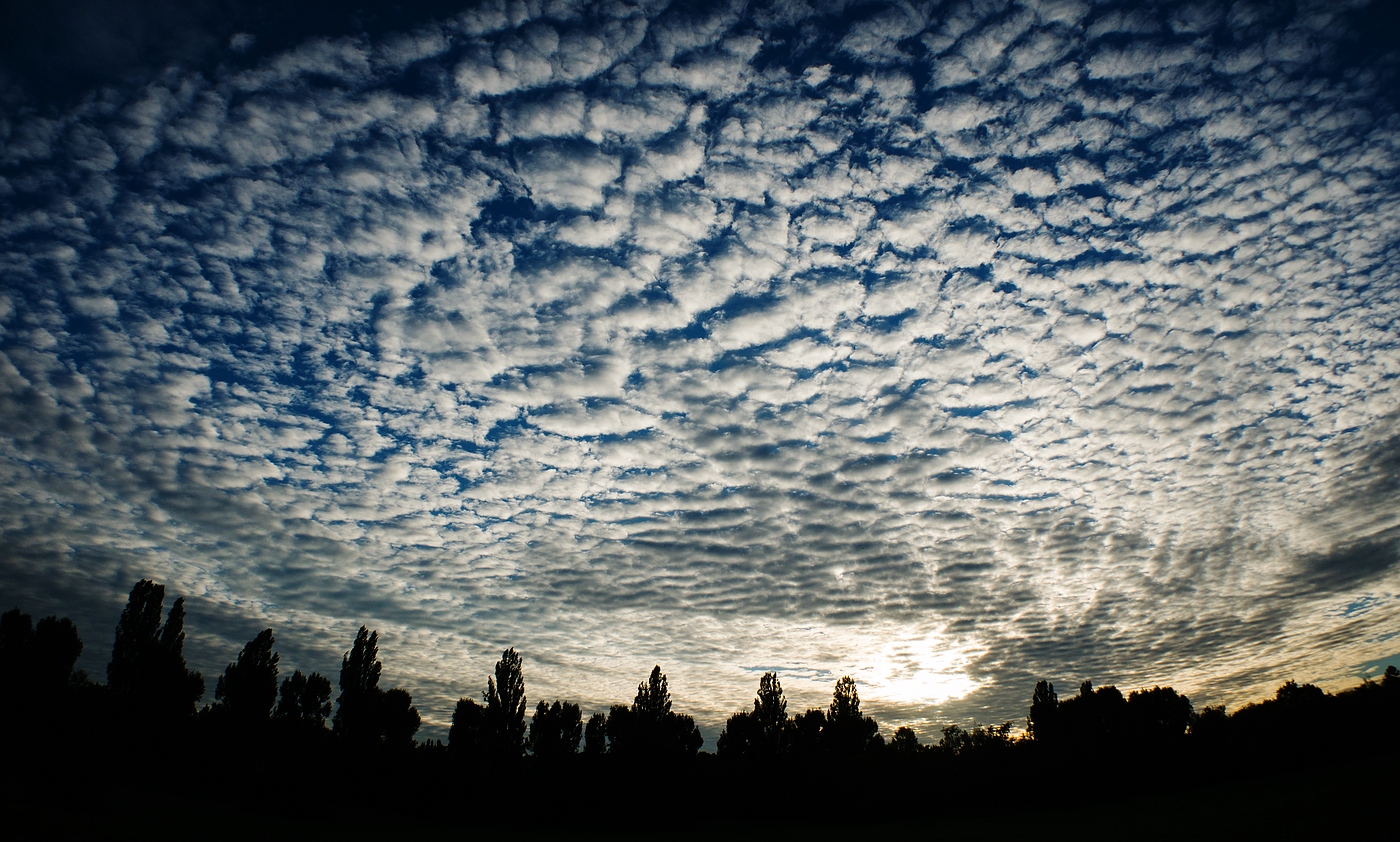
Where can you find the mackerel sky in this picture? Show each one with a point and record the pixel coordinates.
(948, 346)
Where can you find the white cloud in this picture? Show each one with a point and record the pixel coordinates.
(569, 177)
(773, 362)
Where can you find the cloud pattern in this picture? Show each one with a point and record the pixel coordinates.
(950, 347)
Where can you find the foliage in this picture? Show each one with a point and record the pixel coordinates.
(979, 740)
(357, 709)
(305, 699)
(595, 735)
(762, 732)
(847, 731)
(649, 728)
(1042, 718)
(36, 662)
(147, 671)
(555, 730)
(399, 719)
(505, 707)
(905, 742)
(248, 687)
(467, 736)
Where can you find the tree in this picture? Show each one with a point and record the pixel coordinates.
(366, 715)
(1159, 714)
(1094, 718)
(740, 737)
(555, 730)
(762, 732)
(305, 699)
(649, 728)
(357, 713)
(399, 719)
(847, 731)
(248, 687)
(36, 662)
(905, 742)
(1040, 722)
(1210, 724)
(147, 671)
(979, 740)
(805, 734)
(496, 729)
(505, 706)
(467, 736)
(770, 713)
(653, 699)
(595, 735)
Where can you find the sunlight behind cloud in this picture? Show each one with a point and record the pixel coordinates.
(926, 670)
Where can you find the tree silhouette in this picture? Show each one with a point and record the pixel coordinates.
(905, 742)
(595, 735)
(981, 739)
(399, 719)
(1094, 718)
(555, 730)
(848, 732)
(739, 737)
(357, 710)
(248, 687)
(805, 734)
(653, 699)
(763, 732)
(1158, 715)
(1210, 724)
(467, 736)
(505, 707)
(1045, 705)
(36, 662)
(770, 713)
(305, 699)
(649, 728)
(147, 671)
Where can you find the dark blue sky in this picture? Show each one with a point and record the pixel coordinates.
(947, 346)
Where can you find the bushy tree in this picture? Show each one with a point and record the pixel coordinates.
(399, 719)
(357, 709)
(981, 739)
(905, 742)
(555, 730)
(847, 731)
(595, 735)
(147, 671)
(366, 715)
(649, 728)
(248, 687)
(762, 732)
(1094, 718)
(496, 729)
(305, 699)
(505, 706)
(1211, 723)
(1045, 706)
(36, 661)
(805, 734)
(1158, 715)
(467, 736)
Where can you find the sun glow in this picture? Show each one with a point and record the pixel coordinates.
(930, 669)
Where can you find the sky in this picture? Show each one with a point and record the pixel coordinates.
(949, 346)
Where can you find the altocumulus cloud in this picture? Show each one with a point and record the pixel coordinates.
(946, 346)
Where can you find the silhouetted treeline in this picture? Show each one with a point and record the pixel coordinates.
(146, 721)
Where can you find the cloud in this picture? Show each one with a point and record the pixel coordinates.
(949, 351)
